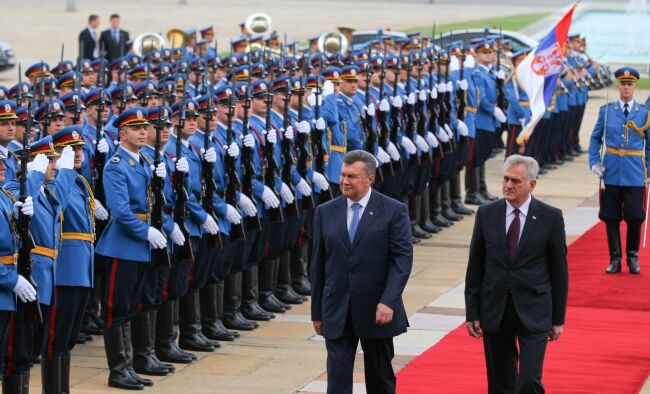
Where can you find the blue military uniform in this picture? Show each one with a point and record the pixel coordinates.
(8, 112)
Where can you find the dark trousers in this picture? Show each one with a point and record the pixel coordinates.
(512, 368)
(66, 317)
(5, 316)
(155, 280)
(22, 339)
(124, 284)
(377, 356)
(622, 203)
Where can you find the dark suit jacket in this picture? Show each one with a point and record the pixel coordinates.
(357, 276)
(112, 48)
(88, 44)
(537, 278)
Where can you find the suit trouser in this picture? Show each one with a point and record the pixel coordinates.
(22, 341)
(124, 284)
(502, 356)
(66, 317)
(377, 356)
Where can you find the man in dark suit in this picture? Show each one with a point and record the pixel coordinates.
(517, 281)
(362, 259)
(114, 40)
(88, 39)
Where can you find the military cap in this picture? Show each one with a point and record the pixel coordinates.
(62, 68)
(317, 59)
(123, 91)
(241, 89)
(258, 70)
(360, 55)
(274, 39)
(213, 61)
(223, 93)
(350, 73)
(202, 41)
(154, 115)
(40, 69)
(238, 42)
(191, 31)
(144, 87)
(313, 39)
(166, 54)
(129, 44)
(67, 80)
(179, 80)
(85, 66)
(313, 79)
(46, 84)
(413, 34)
(133, 59)
(97, 64)
(154, 56)
(573, 36)
(163, 70)
(256, 39)
(197, 64)
(4, 93)
(520, 54)
(392, 62)
(484, 46)
(260, 88)
(280, 84)
(22, 113)
(205, 30)
(363, 66)
(376, 62)
(118, 63)
(136, 116)
(68, 136)
(190, 106)
(140, 72)
(167, 87)
(335, 60)
(44, 146)
(93, 96)
(297, 84)
(7, 110)
(54, 109)
(332, 74)
(627, 74)
(240, 73)
(203, 102)
(71, 99)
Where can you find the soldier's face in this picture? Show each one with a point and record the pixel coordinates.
(626, 90)
(56, 124)
(259, 107)
(50, 173)
(191, 123)
(92, 114)
(7, 131)
(133, 137)
(349, 87)
(515, 187)
(154, 101)
(354, 181)
(2, 170)
(151, 135)
(484, 58)
(205, 125)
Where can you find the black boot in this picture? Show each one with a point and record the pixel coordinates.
(436, 209)
(249, 306)
(211, 324)
(232, 317)
(284, 292)
(614, 243)
(50, 375)
(445, 202)
(299, 272)
(472, 187)
(25, 380)
(425, 214)
(191, 337)
(152, 315)
(267, 299)
(65, 373)
(483, 186)
(415, 211)
(166, 347)
(633, 238)
(12, 384)
(456, 196)
(119, 375)
(126, 337)
(143, 361)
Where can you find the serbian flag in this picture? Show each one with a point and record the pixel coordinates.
(538, 72)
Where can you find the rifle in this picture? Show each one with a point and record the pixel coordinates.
(502, 101)
(419, 109)
(252, 222)
(303, 153)
(19, 91)
(147, 95)
(159, 256)
(395, 114)
(442, 114)
(179, 187)
(47, 117)
(433, 103)
(447, 99)
(271, 165)
(371, 137)
(26, 243)
(318, 150)
(291, 210)
(387, 168)
(237, 231)
(100, 158)
(41, 93)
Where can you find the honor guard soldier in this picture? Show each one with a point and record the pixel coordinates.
(127, 242)
(49, 191)
(37, 71)
(8, 120)
(618, 152)
(14, 288)
(50, 117)
(21, 128)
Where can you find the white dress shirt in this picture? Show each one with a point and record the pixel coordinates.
(363, 202)
(630, 104)
(523, 213)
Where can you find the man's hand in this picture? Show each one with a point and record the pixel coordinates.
(474, 329)
(318, 327)
(384, 314)
(555, 332)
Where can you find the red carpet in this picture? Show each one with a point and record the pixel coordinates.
(605, 347)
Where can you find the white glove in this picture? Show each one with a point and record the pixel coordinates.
(410, 100)
(449, 87)
(319, 180)
(303, 187)
(434, 93)
(391, 149)
(182, 165)
(432, 140)
(303, 127)
(102, 146)
(421, 143)
(311, 99)
(100, 212)
(286, 194)
(232, 215)
(320, 124)
(501, 74)
(24, 290)
(271, 137)
(328, 88)
(156, 238)
(384, 106)
(370, 110)
(66, 161)
(160, 170)
(269, 198)
(499, 115)
(249, 141)
(449, 132)
(442, 136)
(462, 84)
(598, 169)
(246, 205)
(442, 87)
(408, 145)
(210, 155)
(233, 149)
(469, 62)
(396, 102)
(462, 128)
(177, 235)
(381, 156)
(26, 208)
(522, 122)
(288, 133)
(422, 96)
(210, 225)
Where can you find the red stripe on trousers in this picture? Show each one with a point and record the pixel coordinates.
(111, 293)
(52, 329)
(9, 354)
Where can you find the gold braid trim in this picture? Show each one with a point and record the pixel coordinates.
(14, 228)
(91, 203)
(640, 130)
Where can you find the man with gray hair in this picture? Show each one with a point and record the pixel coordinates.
(362, 259)
(517, 281)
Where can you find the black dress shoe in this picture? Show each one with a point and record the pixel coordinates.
(418, 232)
(288, 296)
(171, 354)
(141, 380)
(281, 303)
(252, 311)
(489, 196)
(124, 381)
(148, 366)
(475, 199)
(195, 343)
(449, 214)
(302, 286)
(440, 221)
(237, 321)
(614, 267)
(633, 262)
(429, 227)
(270, 305)
(170, 367)
(217, 332)
(461, 209)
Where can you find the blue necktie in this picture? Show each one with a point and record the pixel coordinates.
(116, 36)
(355, 220)
(626, 111)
